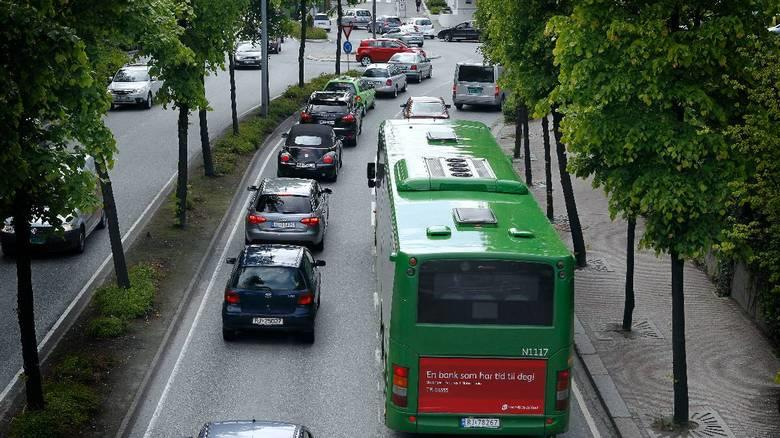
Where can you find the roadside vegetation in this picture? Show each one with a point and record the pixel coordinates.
(312, 33)
(435, 6)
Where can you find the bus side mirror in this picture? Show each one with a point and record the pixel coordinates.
(371, 170)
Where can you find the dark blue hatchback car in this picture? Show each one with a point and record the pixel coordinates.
(253, 429)
(272, 288)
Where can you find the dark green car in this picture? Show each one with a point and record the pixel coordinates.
(363, 90)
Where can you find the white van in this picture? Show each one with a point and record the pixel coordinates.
(477, 84)
(423, 25)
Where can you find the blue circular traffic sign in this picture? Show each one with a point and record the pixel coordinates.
(347, 47)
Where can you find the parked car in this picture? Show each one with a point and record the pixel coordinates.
(424, 25)
(288, 210)
(383, 23)
(274, 44)
(477, 84)
(462, 31)
(405, 36)
(272, 288)
(248, 54)
(322, 21)
(310, 151)
(76, 227)
(337, 109)
(387, 78)
(357, 18)
(133, 85)
(379, 50)
(253, 428)
(415, 65)
(774, 29)
(425, 107)
(365, 96)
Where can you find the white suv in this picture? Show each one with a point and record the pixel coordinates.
(423, 25)
(133, 85)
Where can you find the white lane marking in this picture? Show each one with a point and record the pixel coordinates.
(84, 289)
(201, 307)
(376, 300)
(585, 412)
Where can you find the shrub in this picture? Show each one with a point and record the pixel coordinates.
(134, 302)
(312, 33)
(69, 406)
(105, 327)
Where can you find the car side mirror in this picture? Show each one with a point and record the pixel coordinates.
(371, 184)
(230, 260)
(319, 263)
(403, 105)
(252, 189)
(285, 134)
(448, 106)
(327, 190)
(371, 170)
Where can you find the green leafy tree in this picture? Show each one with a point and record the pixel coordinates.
(514, 35)
(648, 93)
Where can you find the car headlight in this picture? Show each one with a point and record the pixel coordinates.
(8, 228)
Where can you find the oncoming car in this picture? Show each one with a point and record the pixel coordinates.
(310, 151)
(272, 288)
(133, 85)
(425, 107)
(288, 210)
(248, 54)
(322, 21)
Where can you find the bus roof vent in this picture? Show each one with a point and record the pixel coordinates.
(438, 231)
(442, 133)
(459, 167)
(474, 216)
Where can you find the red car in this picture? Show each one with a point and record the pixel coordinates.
(379, 50)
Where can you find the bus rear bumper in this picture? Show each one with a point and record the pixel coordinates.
(450, 424)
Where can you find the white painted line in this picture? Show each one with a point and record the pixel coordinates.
(84, 289)
(188, 339)
(585, 412)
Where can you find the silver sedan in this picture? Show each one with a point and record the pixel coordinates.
(414, 64)
(387, 78)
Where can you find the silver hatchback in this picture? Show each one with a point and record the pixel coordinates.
(288, 210)
(414, 64)
(387, 78)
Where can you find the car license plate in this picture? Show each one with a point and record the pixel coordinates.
(305, 165)
(284, 224)
(327, 122)
(475, 90)
(480, 423)
(122, 98)
(267, 321)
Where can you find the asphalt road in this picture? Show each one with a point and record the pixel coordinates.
(145, 163)
(333, 386)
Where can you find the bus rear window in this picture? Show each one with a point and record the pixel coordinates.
(485, 292)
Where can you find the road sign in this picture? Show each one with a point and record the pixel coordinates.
(347, 29)
(347, 47)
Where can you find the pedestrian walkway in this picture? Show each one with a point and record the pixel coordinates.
(731, 365)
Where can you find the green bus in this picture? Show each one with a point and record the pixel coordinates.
(474, 287)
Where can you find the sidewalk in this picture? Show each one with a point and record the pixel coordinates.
(731, 365)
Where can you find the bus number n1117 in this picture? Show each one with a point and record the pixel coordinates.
(534, 352)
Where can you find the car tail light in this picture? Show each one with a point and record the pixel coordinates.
(498, 91)
(349, 118)
(232, 297)
(255, 219)
(389, 82)
(454, 88)
(306, 299)
(357, 98)
(310, 221)
(562, 390)
(327, 159)
(400, 385)
(414, 67)
(305, 117)
(285, 157)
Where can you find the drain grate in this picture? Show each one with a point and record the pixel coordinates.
(598, 265)
(640, 329)
(705, 423)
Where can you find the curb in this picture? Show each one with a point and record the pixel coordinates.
(132, 413)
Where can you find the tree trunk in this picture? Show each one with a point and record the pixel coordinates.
(109, 206)
(518, 131)
(302, 47)
(628, 310)
(568, 194)
(25, 302)
(548, 167)
(181, 183)
(529, 180)
(679, 361)
(205, 146)
(339, 16)
(233, 110)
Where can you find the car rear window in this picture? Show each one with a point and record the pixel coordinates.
(131, 76)
(328, 107)
(307, 140)
(404, 57)
(375, 73)
(485, 292)
(394, 20)
(269, 277)
(285, 204)
(363, 13)
(475, 73)
(341, 86)
(423, 22)
(321, 17)
(422, 108)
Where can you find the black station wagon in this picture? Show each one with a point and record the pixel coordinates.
(272, 288)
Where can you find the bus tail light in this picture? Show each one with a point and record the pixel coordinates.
(400, 385)
(562, 390)
(232, 297)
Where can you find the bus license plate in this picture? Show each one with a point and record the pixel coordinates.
(284, 225)
(267, 321)
(480, 423)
